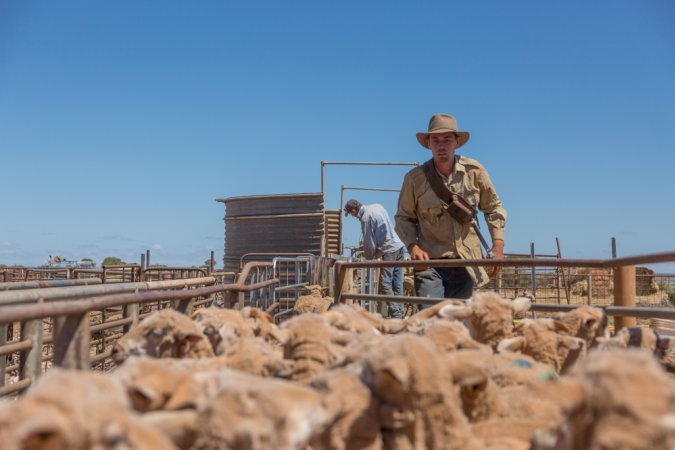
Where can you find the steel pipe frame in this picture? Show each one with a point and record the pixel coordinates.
(56, 309)
(341, 267)
(355, 163)
(247, 255)
(75, 292)
(650, 258)
(40, 284)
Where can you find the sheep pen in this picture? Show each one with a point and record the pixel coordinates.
(472, 376)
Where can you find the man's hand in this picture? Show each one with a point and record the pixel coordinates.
(417, 254)
(498, 251)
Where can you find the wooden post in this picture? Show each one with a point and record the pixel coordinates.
(341, 282)
(624, 295)
(71, 342)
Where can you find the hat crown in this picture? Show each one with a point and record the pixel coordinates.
(442, 122)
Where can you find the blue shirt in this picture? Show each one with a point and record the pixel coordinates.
(379, 236)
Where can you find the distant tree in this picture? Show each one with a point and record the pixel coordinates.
(157, 265)
(87, 259)
(206, 265)
(112, 261)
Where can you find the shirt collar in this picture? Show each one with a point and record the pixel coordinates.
(361, 212)
(458, 167)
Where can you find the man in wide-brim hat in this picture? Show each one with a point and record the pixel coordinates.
(430, 231)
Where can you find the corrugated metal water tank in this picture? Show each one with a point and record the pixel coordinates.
(272, 225)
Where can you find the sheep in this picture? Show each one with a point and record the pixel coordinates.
(312, 344)
(222, 327)
(72, 410)
(261, 323)
(488, 317)
(645, 339)
(166, 333)
(225, 409)
(419, 405)
(357, 320)
(505, 369)
(615, 399)
(312, 303)
(542, 340)
(586, 322)
(448, 335)
(262, 415)
(356, 424)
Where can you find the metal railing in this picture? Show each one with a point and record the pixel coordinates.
(623, 273)
(60, 326)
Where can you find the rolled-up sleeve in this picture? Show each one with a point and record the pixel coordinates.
(406, 216)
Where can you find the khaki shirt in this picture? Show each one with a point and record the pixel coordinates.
(421, 218)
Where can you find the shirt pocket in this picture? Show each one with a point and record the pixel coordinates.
(431, 209)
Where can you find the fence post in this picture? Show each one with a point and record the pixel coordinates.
(132, 310)
(340, 280)
(624, 294)
(3, 358)
(590, 289)
(71, 342)
(30, 363)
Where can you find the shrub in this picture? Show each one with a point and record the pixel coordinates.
(671, 298)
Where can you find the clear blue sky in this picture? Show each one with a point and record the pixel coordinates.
(122, 121)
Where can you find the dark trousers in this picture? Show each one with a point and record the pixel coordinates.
(443, 282)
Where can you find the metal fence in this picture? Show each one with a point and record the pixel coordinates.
(74, 326)
(521, 275)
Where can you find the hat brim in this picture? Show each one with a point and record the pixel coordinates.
(423, 138)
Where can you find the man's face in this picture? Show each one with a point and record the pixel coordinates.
(443, 146)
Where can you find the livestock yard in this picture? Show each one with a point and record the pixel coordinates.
(290, 347)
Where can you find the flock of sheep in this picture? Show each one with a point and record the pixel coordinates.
(453, 376)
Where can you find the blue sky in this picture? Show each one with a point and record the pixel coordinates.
(121, 122)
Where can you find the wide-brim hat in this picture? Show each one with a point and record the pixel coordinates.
(442, 123)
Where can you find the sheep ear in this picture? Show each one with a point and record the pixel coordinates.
(590, 322)
(560, 327)
(399, 370)
(520, 305)
(603, 340)
(179, 426)
(572, 343)
(281, 336)
(143, 399)
(513, 344)
(38, 434)
(469, 376)
(457, 312)
(187, 341)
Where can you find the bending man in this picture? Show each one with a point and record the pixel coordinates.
(380, 240)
